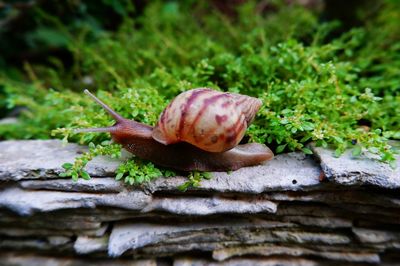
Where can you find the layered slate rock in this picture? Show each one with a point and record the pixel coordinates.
(27, 202)
(41, 159)
(293, 210)
(291, 172)
(358, 170)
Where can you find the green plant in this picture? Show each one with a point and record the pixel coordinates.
(340, 91)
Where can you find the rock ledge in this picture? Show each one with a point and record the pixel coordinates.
(293, 210)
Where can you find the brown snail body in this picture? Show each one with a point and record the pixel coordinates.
(154, 144)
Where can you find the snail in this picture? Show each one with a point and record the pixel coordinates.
(199, 130)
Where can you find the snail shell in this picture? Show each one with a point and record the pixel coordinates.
(210, 120)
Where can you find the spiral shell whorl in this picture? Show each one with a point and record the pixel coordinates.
(210, 120)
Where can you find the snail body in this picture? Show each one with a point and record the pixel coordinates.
(199, 130)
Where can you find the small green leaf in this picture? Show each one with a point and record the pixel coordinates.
(63, 174)
(307, 151)
(280, 148)
(184, 186)
(67, 166)
(140, 178)
(338, 139)
(119, 176)
(357, 150)
(308, 126)
(74, 176)
(207, 175)
(105, 142)
(284, 121)
(305, 138)
(85, 175)
(338, 152)
(324, 144)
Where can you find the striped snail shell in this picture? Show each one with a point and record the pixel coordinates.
(210, 120)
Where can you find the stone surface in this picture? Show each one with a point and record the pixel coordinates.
(126, 236)
(246, 262)
(45, 231)
(28, 202)
(274, 250)
(137, 235)
(293, 171)
(371, 236)
(100, 185)
(207, 206)
(40, 244)
(58, 240)
(26, 259)
(59, 221)
(311, 237)
(364, 170)
(324, 222)
(87, 245)
(43, 158)
(284, 212)
(361, 197)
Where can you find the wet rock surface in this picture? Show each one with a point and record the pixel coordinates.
(293, 210)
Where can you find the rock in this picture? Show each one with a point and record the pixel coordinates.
(27, 232)
(58, 240)
(43, 231)
(34, 244)
(371, 236)
(246, 262)
(207, 206)
(275, 250)
(56, 221)
(87, 245)
(125, 236)
(26, 259)
(99, 232)
(370, 209)
(356, 171)
(38, 159)
(171, 250)
(324, 222)
(282, 212)
(99, 185)
(293, 171)
(310, 209)
(28, 202)
(311, 237)
(362, 197)
(137, 235)
(43, 158)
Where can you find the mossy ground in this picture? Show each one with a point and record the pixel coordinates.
(341, 90)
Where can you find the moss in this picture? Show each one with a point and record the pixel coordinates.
(314, 87)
